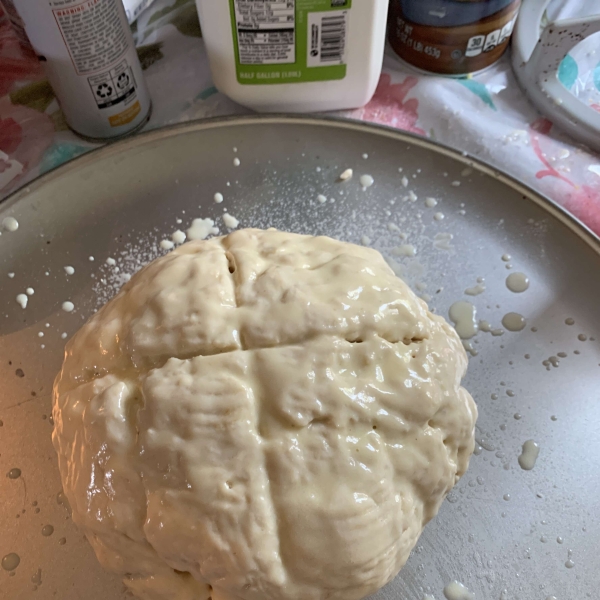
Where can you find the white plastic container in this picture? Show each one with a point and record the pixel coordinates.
(295, 55)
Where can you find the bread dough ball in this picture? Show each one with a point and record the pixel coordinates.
(261, 416)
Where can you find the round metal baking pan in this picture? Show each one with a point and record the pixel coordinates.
(503, 532)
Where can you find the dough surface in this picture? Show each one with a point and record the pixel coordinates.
(261, 416)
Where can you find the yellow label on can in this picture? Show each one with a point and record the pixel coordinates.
(126, 116)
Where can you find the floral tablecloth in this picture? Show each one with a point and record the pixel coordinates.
(486, 116)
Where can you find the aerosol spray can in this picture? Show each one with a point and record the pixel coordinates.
(91, 62)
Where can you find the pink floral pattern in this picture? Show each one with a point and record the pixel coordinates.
(584, 203)
(543, 126)
(581, 200)
(18, 62)
(389, 105)
(10, 135)
(25, 134)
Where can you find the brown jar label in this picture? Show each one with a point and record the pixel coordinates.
(451, 37)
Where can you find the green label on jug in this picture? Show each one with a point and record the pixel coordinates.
(290, 41)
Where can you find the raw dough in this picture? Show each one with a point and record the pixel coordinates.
(261, 416)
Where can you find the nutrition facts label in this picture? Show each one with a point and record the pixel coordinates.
(266, 31)
(93, 33)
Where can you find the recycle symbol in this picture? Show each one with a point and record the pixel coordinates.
(103, 90)
(122, 81)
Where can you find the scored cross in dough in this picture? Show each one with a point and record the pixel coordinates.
(261, 416)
